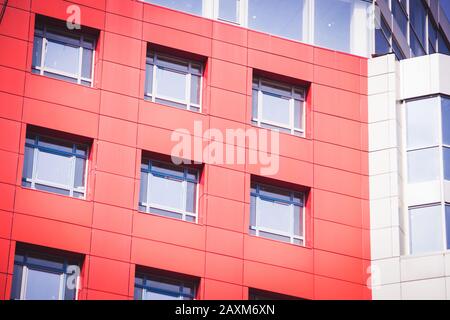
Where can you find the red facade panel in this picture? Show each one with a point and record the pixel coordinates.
(330, 162)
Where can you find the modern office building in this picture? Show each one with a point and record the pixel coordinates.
(218, 149)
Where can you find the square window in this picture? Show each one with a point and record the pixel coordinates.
(426, 229)
(55, 165)
(62, 53)
(281, 18)
(229, 10)
(277, 213)
(44, 274)
(333, 24)
(423, 165)
(278, 106)
(168, 190)
(189, 6)
(153, 286)
(173, 81)
(421, 118)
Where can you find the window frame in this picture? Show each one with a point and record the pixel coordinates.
(241, 14)
(292, 237)
(153, 95)
(149, 205)
(73, 155)
(441, 206)
(437, 145)
(42, 70)
(183, 283)
(62, 272)
(269, 124)
(440, 145)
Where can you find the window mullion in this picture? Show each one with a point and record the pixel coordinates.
(292, 222)
(243, 19)
(23, 286)
(291, 111)
(80, 61)
(72, 175)
(188, 88)
(35, 167)
(149, 176)
(257, 199)
(155, 70)
(43, 54)
(260, 103)
(183, 198)
(61, 286)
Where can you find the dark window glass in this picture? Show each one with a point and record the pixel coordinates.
(397, 51)
(443, 44)
(156, 287)
(382, 38)
(417, 13)
(400, 17)
(39, 276)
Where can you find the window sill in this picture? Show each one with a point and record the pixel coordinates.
(281, 132)
(53, 193)
(148, 100)
(64, 81)
(280, 242)
(166, 217)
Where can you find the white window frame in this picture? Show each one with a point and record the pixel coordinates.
(242, 8)
(291, 235)
(42, 69)
(440, 145)
(62, 281)
(291, 128)
(357, 45)
(71, 188)
(188, 81)
(23, 286)
(151, 205)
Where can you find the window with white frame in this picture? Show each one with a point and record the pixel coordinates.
(278, 106)
(62, 53)
(189, 6)
(168, 190)
(55, 165)
(173, 81)
(334, 24)
(148, 286)
(426, 229)
(42, 275)
(229, 10)
(428, 171)
(422, 140)
(287, 19)
(277, 213)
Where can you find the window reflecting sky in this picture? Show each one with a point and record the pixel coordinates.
(445, 4)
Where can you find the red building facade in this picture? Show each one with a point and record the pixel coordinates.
(330, 162)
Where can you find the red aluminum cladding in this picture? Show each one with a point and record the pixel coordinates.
(330, 161)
